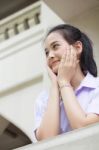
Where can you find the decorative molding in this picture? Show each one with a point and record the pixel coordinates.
(20, 21)
(20, 13)
(21, 41)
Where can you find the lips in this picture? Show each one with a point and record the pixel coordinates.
(54, 63)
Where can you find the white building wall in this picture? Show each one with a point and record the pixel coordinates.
(88, 21)
(23, 72)
(21, 77)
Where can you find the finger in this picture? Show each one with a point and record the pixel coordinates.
(48, 69)
(63, 58)
(73, 55)
(68, 53)
(50, 72)
(75, 60)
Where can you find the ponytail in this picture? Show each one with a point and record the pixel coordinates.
(87, 62)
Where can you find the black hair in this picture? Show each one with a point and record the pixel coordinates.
(72, 34)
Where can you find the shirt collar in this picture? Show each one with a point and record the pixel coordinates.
(89, 82)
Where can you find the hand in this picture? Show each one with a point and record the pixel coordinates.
(52, 76)
(68, 65)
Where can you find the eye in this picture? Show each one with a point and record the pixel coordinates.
(55, 46)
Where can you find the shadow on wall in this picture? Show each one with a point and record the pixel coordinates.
(11, 136)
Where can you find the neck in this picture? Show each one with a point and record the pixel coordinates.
(77, 79)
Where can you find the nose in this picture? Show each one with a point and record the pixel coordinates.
(51, 54)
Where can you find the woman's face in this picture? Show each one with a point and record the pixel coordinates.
(55, 47)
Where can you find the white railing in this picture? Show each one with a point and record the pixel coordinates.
(80, 139)
(20, 21)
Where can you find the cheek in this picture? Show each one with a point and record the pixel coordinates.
(62, 52)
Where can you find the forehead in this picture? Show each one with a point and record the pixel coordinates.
(53, 37)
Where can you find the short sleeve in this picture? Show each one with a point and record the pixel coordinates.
(94, 104)
(39, 108)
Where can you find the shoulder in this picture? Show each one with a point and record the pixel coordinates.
(97, 81)
(91, 81)
(95, 91)
(94, 98)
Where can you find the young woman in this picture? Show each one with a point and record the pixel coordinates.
(73, 101)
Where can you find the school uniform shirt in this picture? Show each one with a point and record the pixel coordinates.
(87, 95)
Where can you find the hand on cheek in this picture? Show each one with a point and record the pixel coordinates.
(67, 65)
(52, 75)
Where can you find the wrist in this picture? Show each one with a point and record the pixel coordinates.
(64, 85)
(63, 82)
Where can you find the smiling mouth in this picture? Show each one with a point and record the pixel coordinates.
(55, 63)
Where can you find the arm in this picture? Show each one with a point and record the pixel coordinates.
(77, 117)
(50, 122)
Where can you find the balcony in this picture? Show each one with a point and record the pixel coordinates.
(80, 139)
(20, 21)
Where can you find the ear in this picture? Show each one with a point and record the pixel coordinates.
(78, 46)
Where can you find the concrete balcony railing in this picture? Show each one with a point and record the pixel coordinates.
(80, 139)
(20, 21)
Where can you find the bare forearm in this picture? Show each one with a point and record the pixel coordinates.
(75, 113)
(50, 123)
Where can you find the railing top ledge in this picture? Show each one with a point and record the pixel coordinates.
(72, 138)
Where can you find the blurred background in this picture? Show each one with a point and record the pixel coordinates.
(23, 24)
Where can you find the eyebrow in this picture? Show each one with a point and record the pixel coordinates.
(53, 43)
